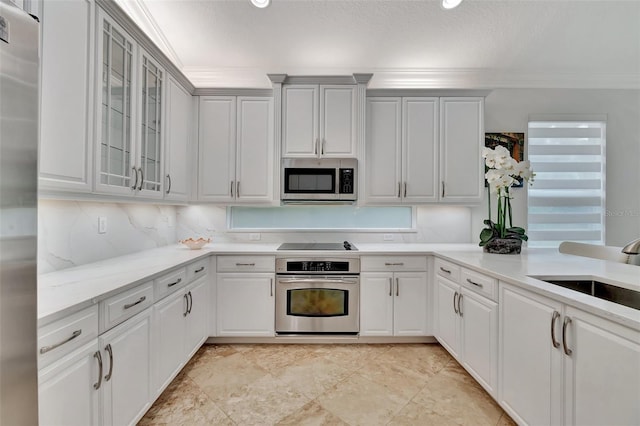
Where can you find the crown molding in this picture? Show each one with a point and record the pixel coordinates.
(231, 91)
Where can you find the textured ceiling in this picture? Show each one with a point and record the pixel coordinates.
(405, 43)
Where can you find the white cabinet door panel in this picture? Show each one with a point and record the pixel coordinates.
(376, 304)
(420, 150)
(410, 313)
(300, 121)
(338, 121)
(383, 150)
(255, 150)
(245, 304)
(169, 345)
(178, 143)
(216, 167)
(447, 320)
(197, 320)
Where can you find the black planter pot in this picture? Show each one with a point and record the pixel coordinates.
(503, 246)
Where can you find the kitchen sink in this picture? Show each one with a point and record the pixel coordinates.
(595, 288)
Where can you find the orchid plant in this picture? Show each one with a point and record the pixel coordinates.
(503, 172)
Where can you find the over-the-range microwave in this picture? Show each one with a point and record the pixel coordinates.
(319, 180)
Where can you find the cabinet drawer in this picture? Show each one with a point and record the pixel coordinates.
(170, 282)
(393, 263)
(480, 283)
(448, 270)
(246, 263)
(198, 269)
(63, 336)
(123, 306)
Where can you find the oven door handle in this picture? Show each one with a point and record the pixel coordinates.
(315, 280)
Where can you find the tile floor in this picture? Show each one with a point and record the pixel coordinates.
(408, 384)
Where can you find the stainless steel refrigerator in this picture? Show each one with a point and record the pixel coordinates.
(18, 216)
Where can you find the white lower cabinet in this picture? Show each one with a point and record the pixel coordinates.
(126, 358)
(245, 304)
(394, 303)
(466, 324)
(67, 393)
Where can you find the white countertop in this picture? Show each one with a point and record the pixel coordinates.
(62, 292)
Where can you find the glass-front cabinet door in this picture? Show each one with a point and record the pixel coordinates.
(150, 130)
(117, 172)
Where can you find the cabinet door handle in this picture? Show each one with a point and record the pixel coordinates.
(178, 281)
(169, 188)
(390, 287)
(554, 317)
(445, 270)
(405, 190)
(393, 263)
(237, 188)
(474, 283)
(190, 304)
(397, 287)
(271, 287)
(443, 189)
(137, 302)
(245, 264)
(98, 356)
(186, 308)
(459, 304)
(232, 189)
(455, 301)
(200, 269)
(566, 322)
(45, 349)
(399, 187)
(141, 179)
(315, 147)
(109, 349)
(324, 143)
(135, 184)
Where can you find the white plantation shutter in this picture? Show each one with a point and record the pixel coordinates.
(566, 201)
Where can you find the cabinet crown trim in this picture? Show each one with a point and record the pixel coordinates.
(427, 92)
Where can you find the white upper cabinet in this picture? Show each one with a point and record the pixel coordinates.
(236, 149)
(461, 142)
(319, 121)
(66, 95)
(130, 101)
(401, 150)
(178, 142)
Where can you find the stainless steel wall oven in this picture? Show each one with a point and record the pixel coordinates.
(317, 296)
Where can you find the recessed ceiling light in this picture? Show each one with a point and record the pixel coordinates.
(448, 4)
(260, 3)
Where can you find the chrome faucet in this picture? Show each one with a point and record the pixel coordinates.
(632, 248)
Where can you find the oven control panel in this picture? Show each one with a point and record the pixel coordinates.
(325, 266)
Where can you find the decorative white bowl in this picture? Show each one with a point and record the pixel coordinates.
(195, 244)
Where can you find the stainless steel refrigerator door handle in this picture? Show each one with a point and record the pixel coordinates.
(555, 316)
(455, 301)
(474, 283)
(397, 286)
(135, 185)
(178, 281)
(169, 188)
(137, 302)
(459, 304)
(566, 322)
(390, 286)
(110, 350)
(141, 179)
(98, 356)
(45, 349)
(405, 190)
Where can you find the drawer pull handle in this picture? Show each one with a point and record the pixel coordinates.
(245, 264)
(139, 301)
(445, 270)
(110, 350)
(200, 269)
(98, 356)
(567, 321)
(474, 283)
(175, 282)
(45, 349)
(393, 263)
(555, 316)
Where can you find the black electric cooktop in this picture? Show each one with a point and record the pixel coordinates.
(345, 246)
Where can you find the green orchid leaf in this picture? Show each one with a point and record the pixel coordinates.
(516, 230)
(486, 235)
